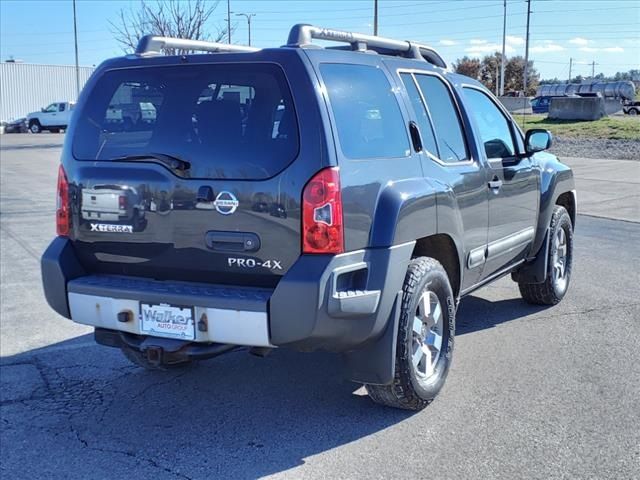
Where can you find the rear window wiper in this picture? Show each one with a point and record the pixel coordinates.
(174, 163)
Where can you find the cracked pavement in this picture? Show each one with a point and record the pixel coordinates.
(533, 392)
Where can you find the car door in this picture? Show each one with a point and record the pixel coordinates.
(513, 183)
(447, 158)
(62, 118)
(49, 115)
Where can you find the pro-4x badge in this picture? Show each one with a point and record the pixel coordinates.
(226, 203)
(106, 227)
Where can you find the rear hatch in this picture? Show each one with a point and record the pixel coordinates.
(189, 172)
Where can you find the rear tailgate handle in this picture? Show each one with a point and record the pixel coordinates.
(232, 241)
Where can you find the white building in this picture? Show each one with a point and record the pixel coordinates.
(27, 87)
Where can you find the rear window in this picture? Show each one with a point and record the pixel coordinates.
(366, 111)
(233, 121)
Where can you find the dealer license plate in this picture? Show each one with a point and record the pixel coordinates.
(166, 320)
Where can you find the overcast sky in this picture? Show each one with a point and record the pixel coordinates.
(604, 31)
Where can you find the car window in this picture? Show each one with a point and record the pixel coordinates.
(366, 111)
(445, 118)
(422, 117)
(226, 120)
(61, 107)
(51, 108)
(493, 126)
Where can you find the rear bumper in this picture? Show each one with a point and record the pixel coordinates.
(335, 303)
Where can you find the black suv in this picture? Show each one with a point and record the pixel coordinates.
(341, 198)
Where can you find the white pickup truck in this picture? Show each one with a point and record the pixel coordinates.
(53, 118)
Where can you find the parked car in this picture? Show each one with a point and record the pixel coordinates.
(541, 104)
(631, 108)
(16, 126)
(53, 118)
(394, 189)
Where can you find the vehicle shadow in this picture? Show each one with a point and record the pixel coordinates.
(234, 416)
(476, 313)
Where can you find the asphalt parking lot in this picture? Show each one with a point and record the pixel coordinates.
(533, 392)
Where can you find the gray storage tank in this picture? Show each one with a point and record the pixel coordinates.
(625, 90)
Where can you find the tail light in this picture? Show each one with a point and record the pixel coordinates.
(63, 217)
(122, 202)
(322, 228)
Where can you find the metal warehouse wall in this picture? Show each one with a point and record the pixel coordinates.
(27, 87)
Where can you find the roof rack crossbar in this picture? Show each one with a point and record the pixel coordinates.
(153, 45)
(301, 35)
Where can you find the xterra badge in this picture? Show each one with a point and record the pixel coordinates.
(226, 203)
(105, 227)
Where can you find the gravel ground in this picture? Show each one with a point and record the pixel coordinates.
(596, 148)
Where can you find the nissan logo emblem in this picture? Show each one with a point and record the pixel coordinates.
(226, 203)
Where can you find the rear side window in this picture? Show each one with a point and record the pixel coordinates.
(422, 118)
(233, 121)
(444, 116)
(366, 111)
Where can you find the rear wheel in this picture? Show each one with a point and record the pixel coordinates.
(140, 359)
(425, 338)
(34, 126)
(559, 263)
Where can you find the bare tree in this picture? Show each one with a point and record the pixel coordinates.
(168, 18)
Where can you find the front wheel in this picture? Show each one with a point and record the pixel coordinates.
(34, 127)
(425, 338)
(559, 263)
(633, 112)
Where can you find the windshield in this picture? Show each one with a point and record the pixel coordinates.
(233, 121)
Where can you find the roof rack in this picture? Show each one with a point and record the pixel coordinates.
(152, 45)
(302, 34)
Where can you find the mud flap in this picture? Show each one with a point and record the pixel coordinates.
(535, 271)
(375, 362)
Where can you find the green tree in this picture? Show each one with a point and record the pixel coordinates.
(488, 72)
(468, 66)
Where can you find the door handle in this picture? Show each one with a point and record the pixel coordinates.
(495, 183)
(232, 241)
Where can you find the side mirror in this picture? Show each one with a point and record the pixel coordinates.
(42, 109)
(537, 140)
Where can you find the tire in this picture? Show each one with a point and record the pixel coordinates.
(559, 263)
(633, 112)
(413, 386)
(140, 359)
(34, 126)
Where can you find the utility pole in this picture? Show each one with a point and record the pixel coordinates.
(229, 21)
(375, 17)
(570, 66)
(593, 70)
(501, 82)
(248, 17)
(75, 41)
(526, 50)
(502, 59)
